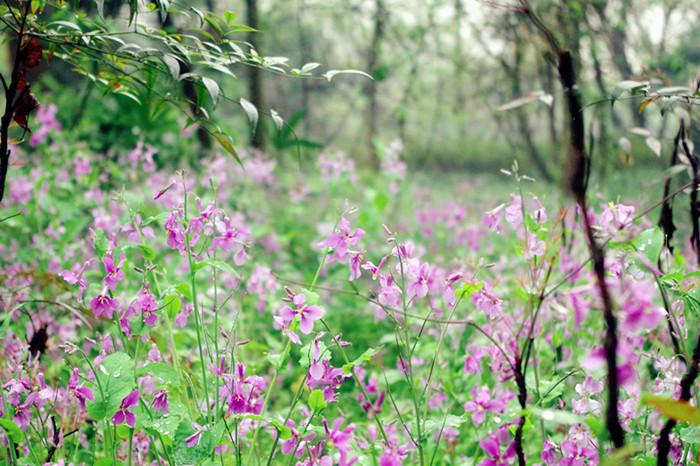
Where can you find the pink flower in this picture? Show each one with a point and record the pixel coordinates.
(341, 240)
(340, 439)
(160, 402)
(148, 304)
(492, 446)
(487, 302)
(483, 403)
(420, 277)
(79, 391)
(104, 306)
(113, 273)
(535, 247)
(514, 212)
(389, 293)
(575, 455)
(307, 314)
(123, 414)
(193, 440)
(46, 118)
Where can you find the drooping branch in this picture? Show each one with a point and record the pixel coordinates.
(13, 93)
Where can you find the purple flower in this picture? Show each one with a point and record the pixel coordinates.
(340, 439)
(575, 455)
(324, 376)
(483, 403)
(375, 269)
(23, 412)
(123, 414)
(420, 277)
(193, 440)
(113, 273)
(46, 118)
(148, 304)
(492, 447)
(104, 306)
(244, 393)
(341, 240)
(160, 402)
(307, 314)
(80, 392)
(389, 293)
(232, 238)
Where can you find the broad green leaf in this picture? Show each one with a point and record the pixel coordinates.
(555, 415)
(173, 65)
(12, 430)
(161, 372)
(650, 242)
(116, 376)
(690, 434)
(171, 304)
(217, 264)
(212, 88)
(316, 401)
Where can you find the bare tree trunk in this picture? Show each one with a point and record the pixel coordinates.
(523, 123)
(305, 48)
(374, 58)
(616, 39)
(255, 88)
(459, 64)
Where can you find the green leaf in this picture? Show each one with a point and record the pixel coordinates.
(12, 430)
(212, 88)
(161, 371)
(690, 434)
(166, 425)
(363, 358)
(173, 65)
(101, 243)
(225, 142)
(171, 304)
(217, 264)
(650, 242)
(312, 298)
(555, 415)
(675, 409)
(468, 289)
(329, 75)
(251, 111)
(621, 456)
(316, 401)
(116, 376)
(185, 290)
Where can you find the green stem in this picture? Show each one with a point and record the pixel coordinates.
(193, 282)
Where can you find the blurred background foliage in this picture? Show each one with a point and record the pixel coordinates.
(464, 83)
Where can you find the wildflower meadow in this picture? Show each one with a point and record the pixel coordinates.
(192, 273)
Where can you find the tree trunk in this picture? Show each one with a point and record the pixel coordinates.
(373, 62)
(255, 88)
